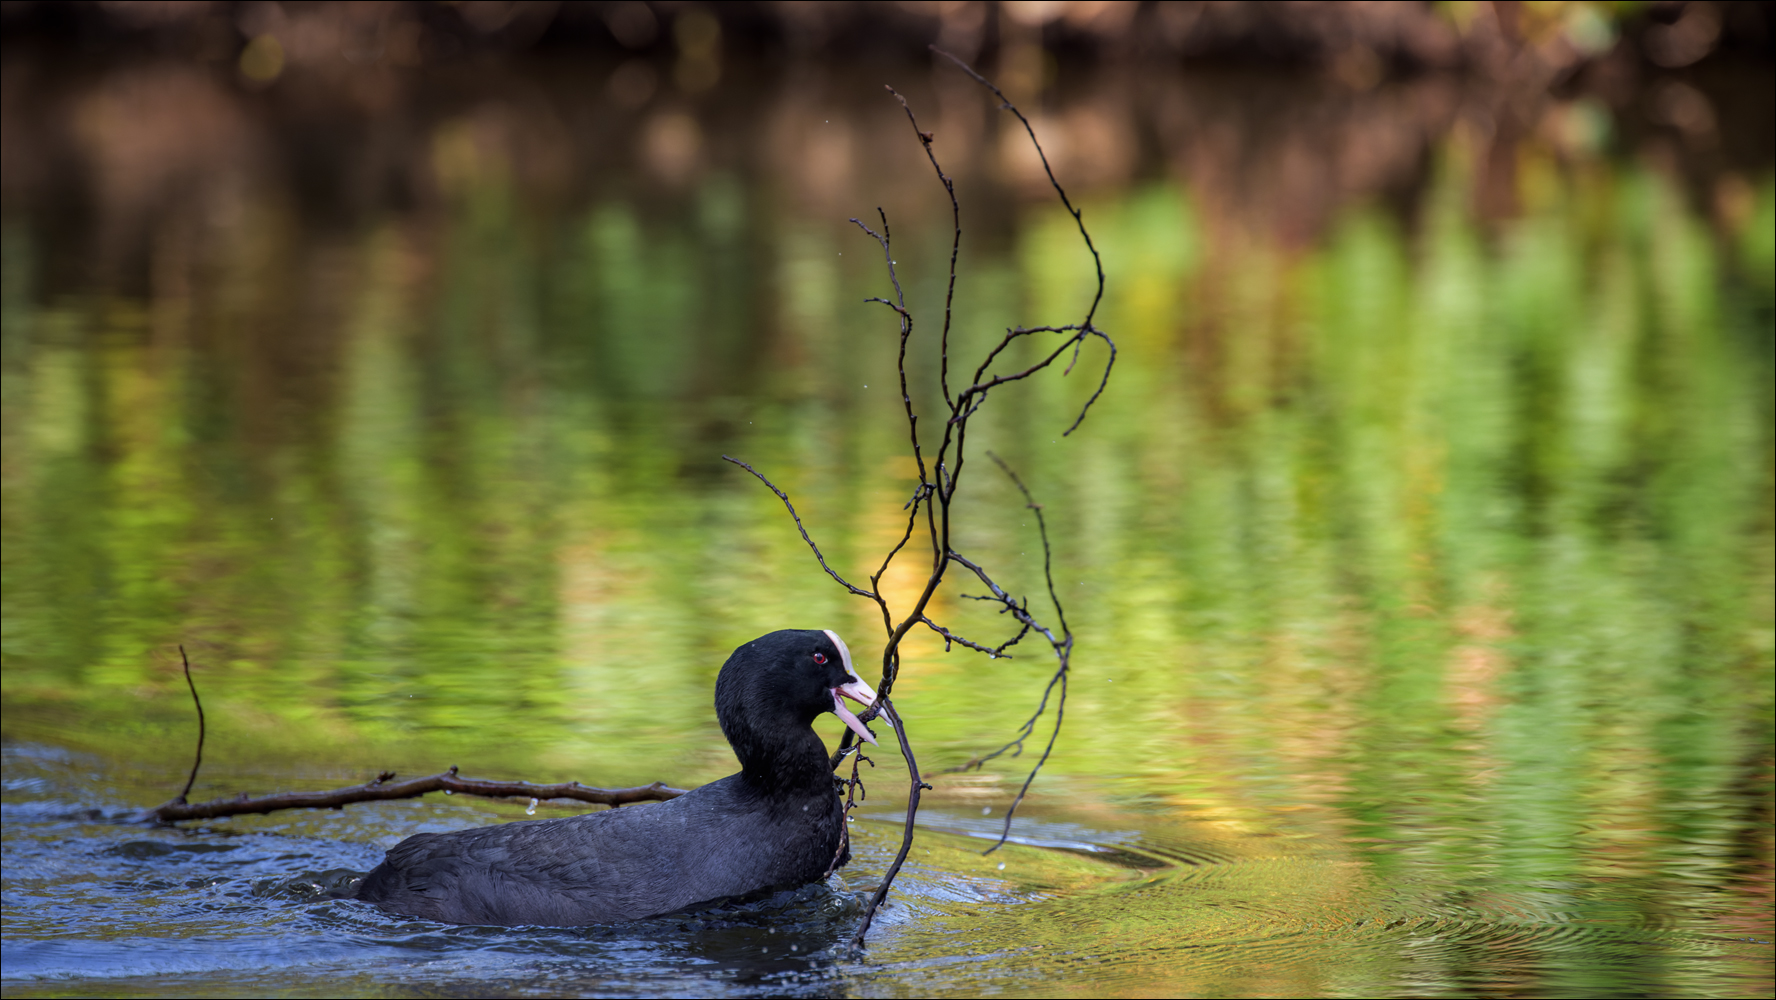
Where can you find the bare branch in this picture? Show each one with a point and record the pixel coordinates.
(1063, 653)
(1060, 713)
(859, 591)
(1042, 529)
(906, 329)
(906, 839)
(943, 370)
(993, 652)
(853, 785)
(1005, 103)
(920, 493)
(980, 388)
(381, 791)
(1010, 604)
(1103, 381)
(1078, 338)
(1016, 745)
(936, 492)
(1078, 221)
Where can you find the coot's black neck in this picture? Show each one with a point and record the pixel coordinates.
(792, 764)
(767, 697)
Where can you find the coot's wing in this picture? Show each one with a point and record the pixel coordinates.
(620, 864)
(565, 872)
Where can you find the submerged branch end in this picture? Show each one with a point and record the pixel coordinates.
(198, 702)
(893, 718)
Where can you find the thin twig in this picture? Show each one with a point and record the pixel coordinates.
(1017, 609)
(980, 388)
(1016, 745)
(955, 246)
(800, 527)
(920, 493)
(891, 651)
(1063, 647)
(906, 329)
(1103, 382)
(1060, 713)
(993, 652)
(906, 839)
(1078, 221)
(1042, 529)
(198, 762)
(1005, 103)
(853, 785)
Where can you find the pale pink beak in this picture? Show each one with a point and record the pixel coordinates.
(853, 689)
(859, 692)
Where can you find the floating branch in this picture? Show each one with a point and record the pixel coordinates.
(381, 790)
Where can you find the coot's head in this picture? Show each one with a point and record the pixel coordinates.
(771, 689)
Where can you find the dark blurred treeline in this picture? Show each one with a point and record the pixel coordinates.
(1496, 38)
(1274, 115)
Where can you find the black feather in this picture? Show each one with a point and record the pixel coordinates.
(777, 823)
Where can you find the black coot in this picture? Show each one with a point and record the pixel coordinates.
(776, 823)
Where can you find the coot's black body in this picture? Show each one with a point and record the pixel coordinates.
(779, 822)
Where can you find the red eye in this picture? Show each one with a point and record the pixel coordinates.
(819, 657)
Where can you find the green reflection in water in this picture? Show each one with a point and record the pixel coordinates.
(1451, 550)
